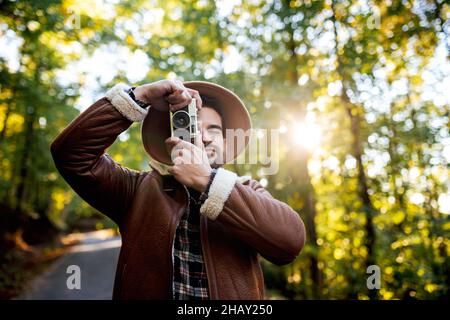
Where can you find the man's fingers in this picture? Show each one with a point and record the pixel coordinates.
(196, 95)
(182, 96)
(172, 141)
(185, 144)
(179, 143)
(175, 97)
(178, 161)
(180, 149)
(180, 105)
(179, 100)
(199, 141)
(176, 85)
(179, 95)
(172, 146)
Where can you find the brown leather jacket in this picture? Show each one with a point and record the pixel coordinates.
(147, 207)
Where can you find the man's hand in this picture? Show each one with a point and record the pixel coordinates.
(191, 165)
(167, 94)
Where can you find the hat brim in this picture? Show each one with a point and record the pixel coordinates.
(156, 125)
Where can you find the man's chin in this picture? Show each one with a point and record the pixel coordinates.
(214, 160)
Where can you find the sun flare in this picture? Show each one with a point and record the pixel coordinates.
(307, 135)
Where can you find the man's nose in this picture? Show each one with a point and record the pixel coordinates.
(206, 137)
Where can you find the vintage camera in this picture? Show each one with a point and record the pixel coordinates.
(183, 123)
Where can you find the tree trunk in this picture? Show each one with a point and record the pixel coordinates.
(363, 188)
(300, 174)
(26, 152)
(355, 114)
(5, 122)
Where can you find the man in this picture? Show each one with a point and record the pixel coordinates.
(193, 234)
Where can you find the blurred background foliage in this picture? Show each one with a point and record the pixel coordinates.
(357, 89)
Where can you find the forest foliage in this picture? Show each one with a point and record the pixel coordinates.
(358, 91)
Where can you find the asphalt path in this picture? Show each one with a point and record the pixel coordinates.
(96, 259)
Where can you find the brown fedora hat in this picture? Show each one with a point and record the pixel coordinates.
(156, 125)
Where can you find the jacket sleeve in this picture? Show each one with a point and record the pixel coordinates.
(79, 153)
(251, 214)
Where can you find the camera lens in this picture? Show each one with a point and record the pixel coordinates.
(181, 119)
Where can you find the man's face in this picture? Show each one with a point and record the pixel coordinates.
(210, 126)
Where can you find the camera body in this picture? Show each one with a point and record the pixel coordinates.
(183, 123)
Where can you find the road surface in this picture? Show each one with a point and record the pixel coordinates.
(96, 258)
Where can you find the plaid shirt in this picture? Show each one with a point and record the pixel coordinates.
(190, 281)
